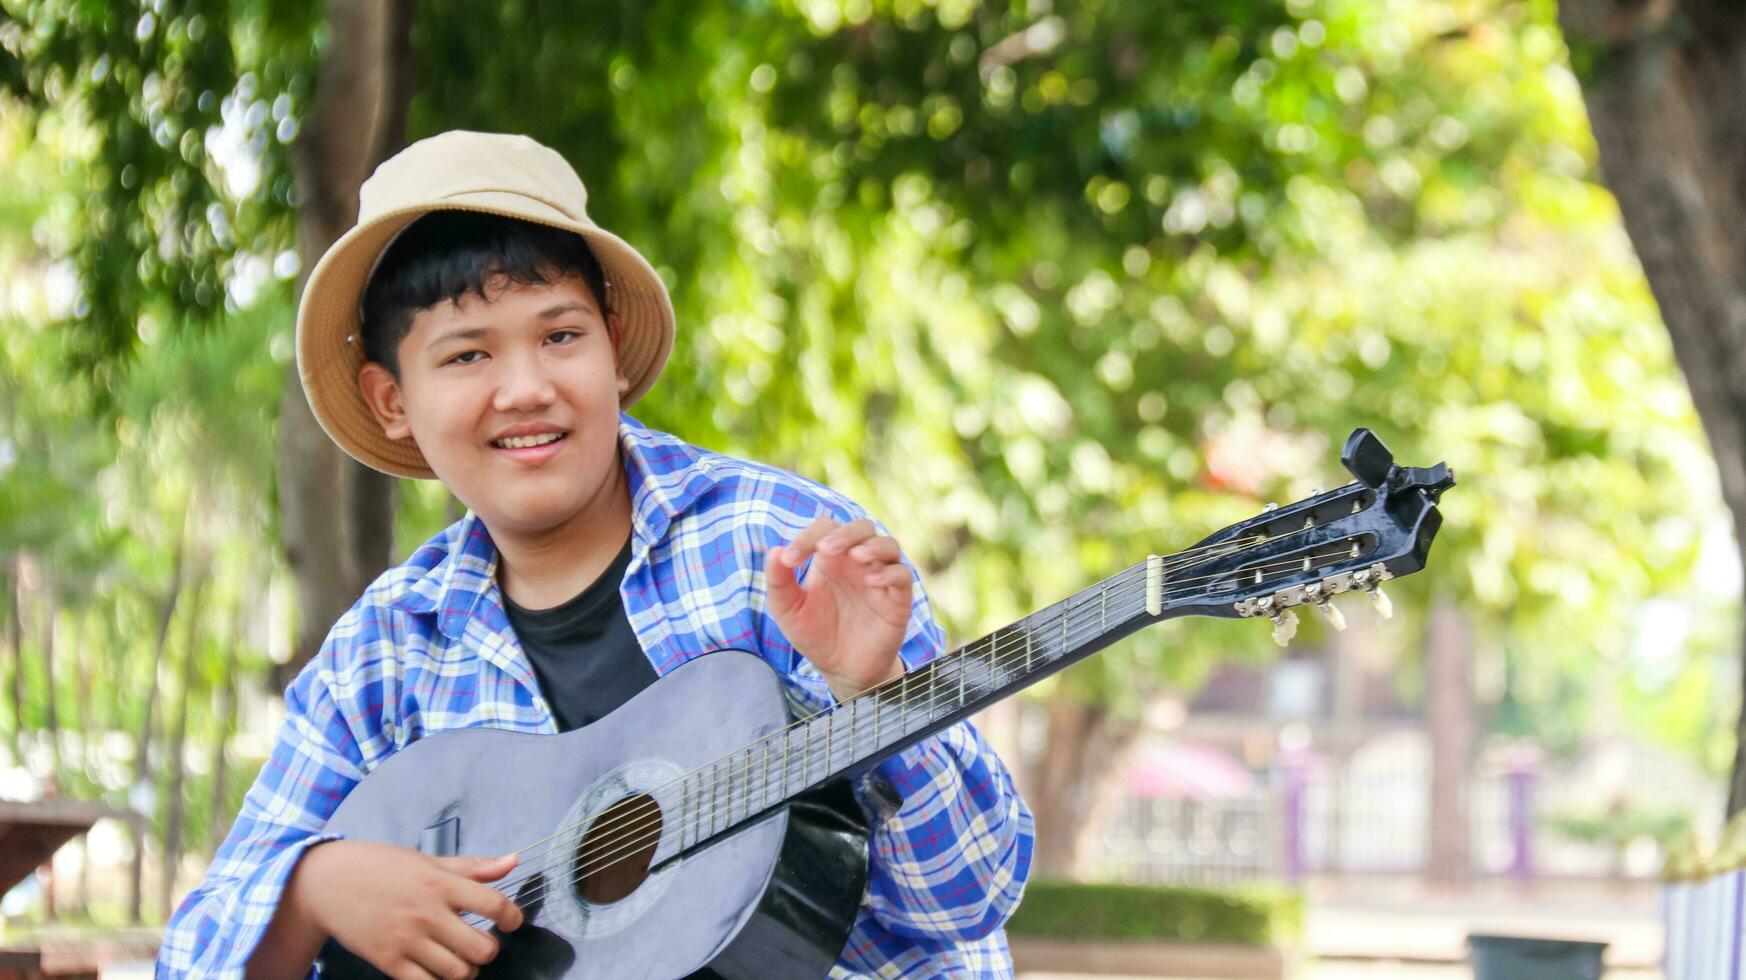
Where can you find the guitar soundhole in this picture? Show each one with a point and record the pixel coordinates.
(613, 858)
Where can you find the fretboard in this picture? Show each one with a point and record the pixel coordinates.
(851, 737)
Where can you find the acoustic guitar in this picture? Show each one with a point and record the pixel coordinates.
(688, 834)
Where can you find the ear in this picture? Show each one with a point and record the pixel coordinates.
(615, 329)
(382, 393)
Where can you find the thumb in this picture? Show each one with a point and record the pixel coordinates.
(478, 868)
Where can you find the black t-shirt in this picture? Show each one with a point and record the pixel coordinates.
(586, 657)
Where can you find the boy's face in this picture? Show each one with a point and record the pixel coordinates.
(512, 399)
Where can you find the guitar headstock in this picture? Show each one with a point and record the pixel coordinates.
(1352, 538)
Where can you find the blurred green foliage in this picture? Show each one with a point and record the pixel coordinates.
(1249, 915)
(1046, 285)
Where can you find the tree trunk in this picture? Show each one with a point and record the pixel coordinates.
(143, 742)
(85, 724)
(1665, 85)
(337, 515)
(86, 728)
(15, 643)
(175, 809)
(52, 719)
(52, 789)
(1086, 745)
(224, 710)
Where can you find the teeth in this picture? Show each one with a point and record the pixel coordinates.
(527, 442)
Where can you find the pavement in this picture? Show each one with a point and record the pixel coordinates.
(1378, 929)
(1406, 923)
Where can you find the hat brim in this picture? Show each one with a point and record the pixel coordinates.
(330, 347)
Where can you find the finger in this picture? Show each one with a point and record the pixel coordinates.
(878, 548)
(802, 546)
(781, 588)
(410, 970)
(889, 577)
(470, 896)
(477, 867)
(846, 537)
(471, 944)
(441, 962)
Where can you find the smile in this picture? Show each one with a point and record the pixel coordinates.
(527, 442)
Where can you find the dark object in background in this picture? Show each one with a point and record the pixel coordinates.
(1521, 958)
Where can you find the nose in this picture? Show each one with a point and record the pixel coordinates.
(522, 385)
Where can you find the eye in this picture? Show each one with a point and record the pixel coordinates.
(563, 336)
(466, 357)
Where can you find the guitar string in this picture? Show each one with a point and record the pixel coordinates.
(937, 695)
(1179, 559)
(745, 798)
(735, 800)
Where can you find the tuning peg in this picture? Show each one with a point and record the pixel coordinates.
(1379, 599)
(1336, 618)
(1271, 506)
(1284, 626)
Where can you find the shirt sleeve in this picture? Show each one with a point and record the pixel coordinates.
(952, 848)
(315, 762)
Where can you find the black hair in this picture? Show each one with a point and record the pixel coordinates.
(445, 255)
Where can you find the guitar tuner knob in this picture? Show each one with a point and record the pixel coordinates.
(1270, 508)
(1379, 599)
(1284, 626)
(1335, 617)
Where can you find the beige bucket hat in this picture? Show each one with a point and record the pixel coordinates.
(496, 173)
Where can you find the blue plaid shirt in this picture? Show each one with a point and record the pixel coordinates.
(429, 648)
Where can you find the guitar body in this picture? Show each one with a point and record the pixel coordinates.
(774, 898)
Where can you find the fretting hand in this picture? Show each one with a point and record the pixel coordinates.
(849, 617)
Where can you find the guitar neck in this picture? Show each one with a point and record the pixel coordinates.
(857, 734)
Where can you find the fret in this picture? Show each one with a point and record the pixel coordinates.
(852, 744)
(850, 716)
(764, 778)
(685, 811)
(714, 795)
(878, 717)
(746, 786)
(806, 757)
(788, 759)
(696, 814)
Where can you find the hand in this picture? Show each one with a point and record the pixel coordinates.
(849, 618)
(400, 910)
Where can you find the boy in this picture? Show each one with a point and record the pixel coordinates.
(478, 328)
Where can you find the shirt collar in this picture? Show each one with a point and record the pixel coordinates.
(666, 476)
